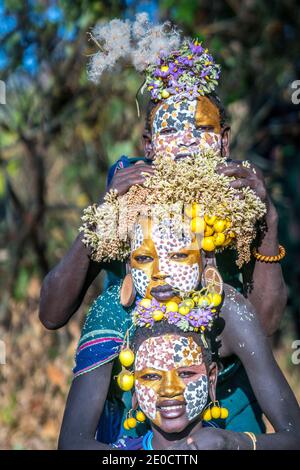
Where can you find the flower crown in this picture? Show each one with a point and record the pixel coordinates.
(188, 72)
(196, 312)
(172, 64)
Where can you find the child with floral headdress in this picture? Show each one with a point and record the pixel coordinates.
(175, 326)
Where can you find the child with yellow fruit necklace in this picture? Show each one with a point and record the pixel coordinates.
(173, 327)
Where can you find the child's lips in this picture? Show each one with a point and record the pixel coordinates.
(171, 409)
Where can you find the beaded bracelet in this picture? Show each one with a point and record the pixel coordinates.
(269, 259)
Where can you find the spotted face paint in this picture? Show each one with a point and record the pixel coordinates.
(183, 128)
(171, 381)
(162, 257)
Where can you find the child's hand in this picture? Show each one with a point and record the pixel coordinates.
(245, 177)
(124, 178)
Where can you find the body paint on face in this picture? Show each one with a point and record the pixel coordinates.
(161, 248)
(186, 127)
(165, 356)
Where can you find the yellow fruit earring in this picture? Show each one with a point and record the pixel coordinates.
(125, 379)
(131, 422)
(215, 411)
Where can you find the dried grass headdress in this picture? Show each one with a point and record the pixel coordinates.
(220, 215)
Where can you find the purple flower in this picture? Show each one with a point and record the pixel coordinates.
(165, 70)
(196, 48)
(174, 318)
(191, 93)
(186, 60)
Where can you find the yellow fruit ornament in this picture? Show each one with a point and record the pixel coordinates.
(171, 306)
(208, 244)
(210, 220)
(219, 239)
(126, 357)
(146, 303)
(125, 380)
(184, 310)
(198, 225)
(157, 315)
(220, 225)
(140, 416)
(131, 422)
(188, 303)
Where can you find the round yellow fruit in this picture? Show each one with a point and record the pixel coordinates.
(193, 210)
(216, 299)
(198, 225)
(219, 225)
(207, 415)
(158, 315)
(131, 422)
(125, 425)
(208, 231)
(125, 381)
(203, 301)
(208, 244)
(171, 306)
(219, 239)
(145, 303)
(216, 412)
(183, 310)
(126, 357)
(210, 220)
(189, 303)
(224, 413)
(141, 417)
(165, 94)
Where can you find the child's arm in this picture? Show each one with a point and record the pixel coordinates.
(84, 407)
(271, 300)
(65, 286)
(243, 336)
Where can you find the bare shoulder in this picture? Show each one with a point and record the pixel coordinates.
(241, 324)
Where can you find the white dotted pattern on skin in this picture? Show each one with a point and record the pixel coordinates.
(138, 237)
(196, 394)
(181, 276)
(140, 281)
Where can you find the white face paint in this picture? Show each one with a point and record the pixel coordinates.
(174, 257)
(160, 365)
(186, 127)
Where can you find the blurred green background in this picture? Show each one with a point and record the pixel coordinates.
(60, 133)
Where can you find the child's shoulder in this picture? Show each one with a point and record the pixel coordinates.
(103, 331)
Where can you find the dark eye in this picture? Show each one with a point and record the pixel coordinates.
(168, 130)
(151, 377)
(143, 258)
(205, 128)
(178, 256)
(185, 374)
